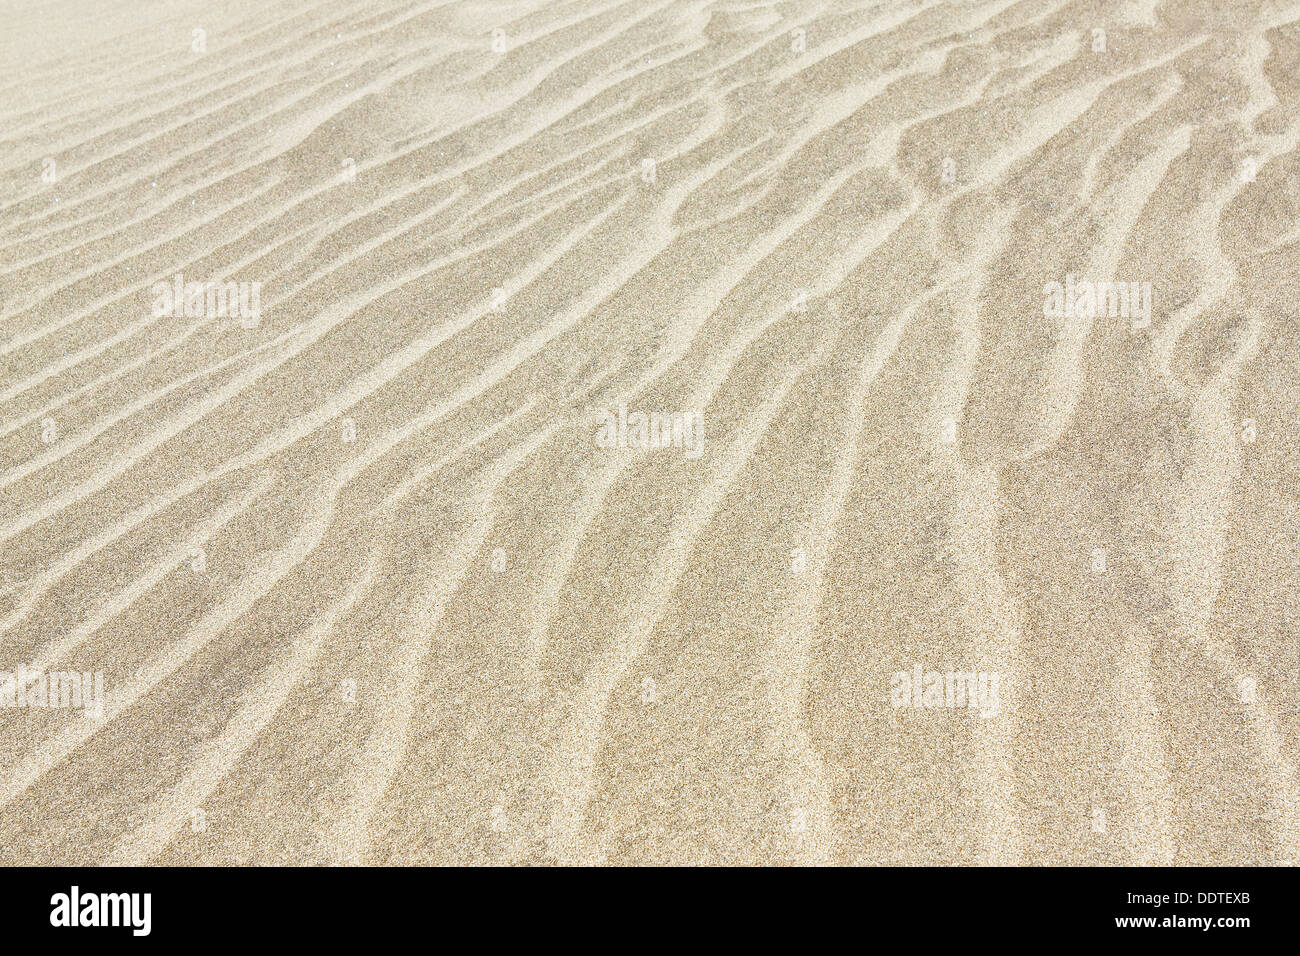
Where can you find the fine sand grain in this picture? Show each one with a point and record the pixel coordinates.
(650, 432)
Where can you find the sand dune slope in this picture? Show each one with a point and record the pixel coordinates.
(698, 431)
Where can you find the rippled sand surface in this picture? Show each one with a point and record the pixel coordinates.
(379, 569)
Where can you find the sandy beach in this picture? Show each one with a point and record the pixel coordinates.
(660, 432)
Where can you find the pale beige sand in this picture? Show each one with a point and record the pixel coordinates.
(362, 581)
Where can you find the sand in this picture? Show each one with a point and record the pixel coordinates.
(654, 433)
